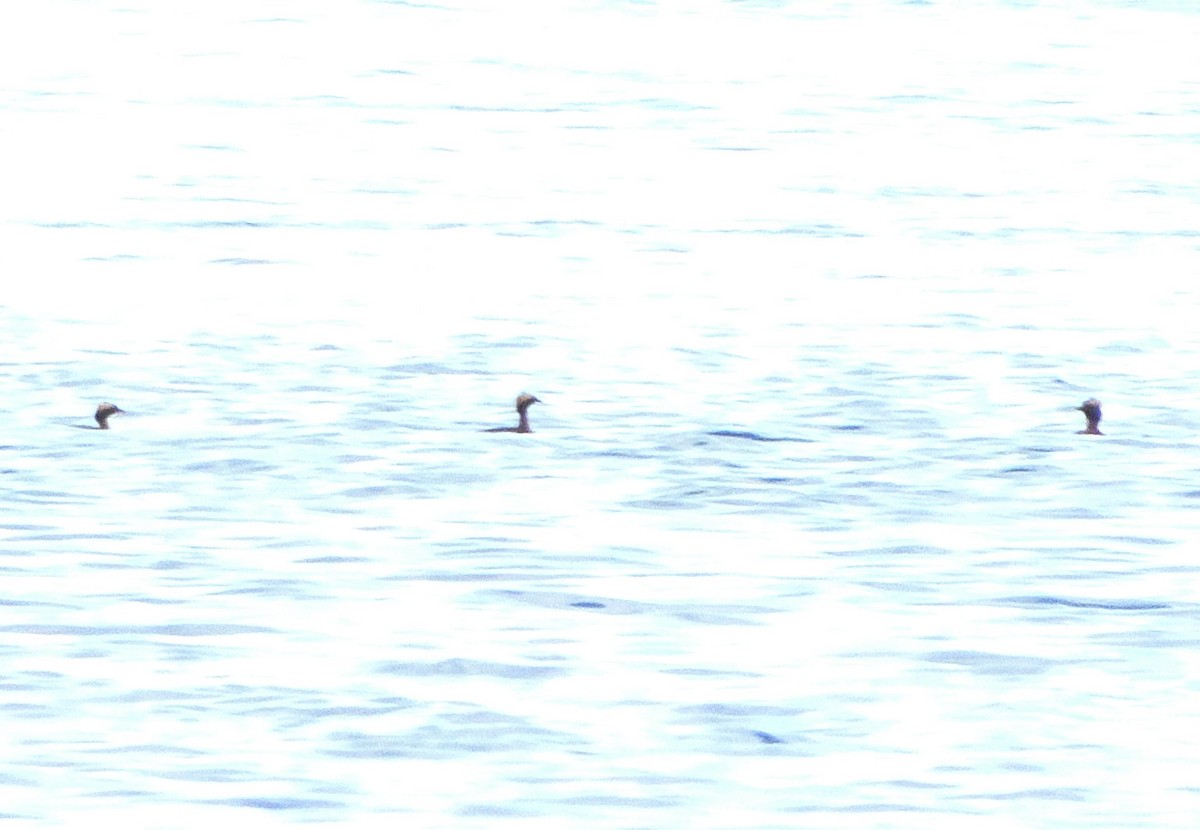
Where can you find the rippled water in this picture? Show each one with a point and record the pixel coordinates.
(804, 536)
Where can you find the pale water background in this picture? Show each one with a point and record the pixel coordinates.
(804, 536)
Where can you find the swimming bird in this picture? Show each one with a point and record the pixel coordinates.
(104, 411)
(1091, 410)
(523, 403)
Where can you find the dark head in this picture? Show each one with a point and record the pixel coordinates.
(104, 411)
(1091, 410)
(524, 401)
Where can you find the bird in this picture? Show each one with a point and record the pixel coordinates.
(523, 403)
(1091, 410)
(104, 411)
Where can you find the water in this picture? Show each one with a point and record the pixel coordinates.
(804, 536)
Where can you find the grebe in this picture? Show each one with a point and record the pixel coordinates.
(523, 402)
(105, 411)
(1091, 410)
